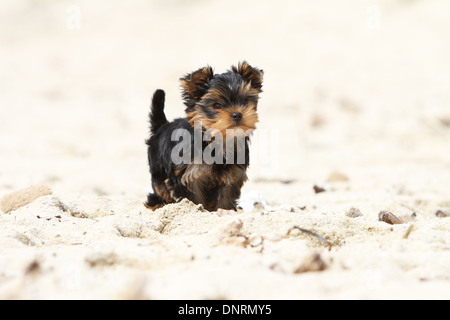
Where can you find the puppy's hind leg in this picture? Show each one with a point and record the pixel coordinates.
(161, 196)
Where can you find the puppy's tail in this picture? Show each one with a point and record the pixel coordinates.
(157, 116)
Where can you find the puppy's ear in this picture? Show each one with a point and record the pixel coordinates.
(195, 85)
(250, 74)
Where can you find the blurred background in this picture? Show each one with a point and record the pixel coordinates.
(356, 87)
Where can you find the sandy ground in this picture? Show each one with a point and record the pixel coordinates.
(356, 101)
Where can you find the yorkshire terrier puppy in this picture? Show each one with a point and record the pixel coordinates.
(219, 108)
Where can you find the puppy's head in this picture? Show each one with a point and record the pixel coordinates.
(226, 101)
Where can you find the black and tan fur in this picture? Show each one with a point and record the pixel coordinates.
(219, 102)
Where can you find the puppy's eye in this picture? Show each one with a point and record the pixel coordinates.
(245, 101)
(217, 106)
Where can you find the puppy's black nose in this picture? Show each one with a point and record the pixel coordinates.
(237, 116)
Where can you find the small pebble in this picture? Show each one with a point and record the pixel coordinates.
(318, 189)
(337, 177)
(389, 217)
(20, 198)
(311, 264)
(353, 213)
(442, 214)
